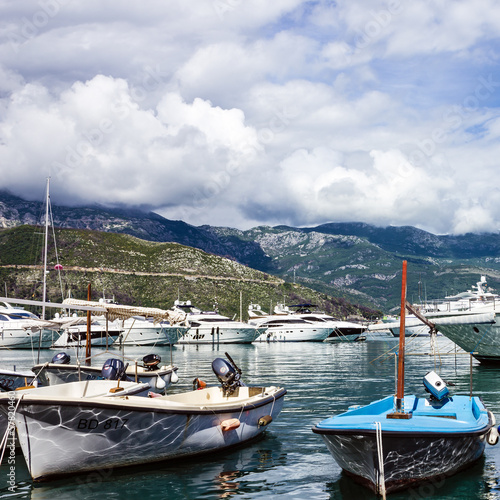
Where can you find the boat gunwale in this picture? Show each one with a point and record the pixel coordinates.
(408, 433)
(96, 369)
(154, 404)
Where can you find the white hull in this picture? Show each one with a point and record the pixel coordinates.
(67, 435)
(11, 338)
(304, 333)
(477, 333)
(151, 335)
(76, 337)
(209, 334)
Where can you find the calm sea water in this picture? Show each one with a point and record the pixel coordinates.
(289, 461)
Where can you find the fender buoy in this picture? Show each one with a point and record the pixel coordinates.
(492, 436)
(230, 424)
(267, 419)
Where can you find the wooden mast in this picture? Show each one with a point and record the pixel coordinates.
(401, 360)
(400, 388)
(89, 338)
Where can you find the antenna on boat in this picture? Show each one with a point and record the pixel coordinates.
(46, 236)
(400, 388)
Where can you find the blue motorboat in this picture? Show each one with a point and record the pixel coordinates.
(400, 441)
(437, 439)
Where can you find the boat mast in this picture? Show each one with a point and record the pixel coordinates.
(44, 291)
(400, 387)
(401, 360)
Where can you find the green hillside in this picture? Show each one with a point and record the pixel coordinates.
(145, 273)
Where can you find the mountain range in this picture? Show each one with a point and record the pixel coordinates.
(355, 261)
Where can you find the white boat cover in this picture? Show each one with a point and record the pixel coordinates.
(117, 311)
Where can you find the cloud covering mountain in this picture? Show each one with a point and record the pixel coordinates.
(240, 113)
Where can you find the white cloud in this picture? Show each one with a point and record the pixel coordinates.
(240, 113)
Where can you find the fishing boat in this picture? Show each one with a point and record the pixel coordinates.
(63, 432)
(10, 380)
(147, 371)
(61, 370)
(400, 441)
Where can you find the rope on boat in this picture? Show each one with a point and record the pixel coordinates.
(10, 425)
(380, 453)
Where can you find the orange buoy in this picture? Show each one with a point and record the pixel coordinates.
(230, 424)
(198, 384)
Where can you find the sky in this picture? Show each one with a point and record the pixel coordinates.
(243, 113)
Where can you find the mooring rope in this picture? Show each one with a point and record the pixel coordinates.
(10, 424)
(380, 453)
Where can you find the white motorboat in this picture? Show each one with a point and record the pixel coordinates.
(62, 430)
(148, 371)
(141, 331)
(210, 327)
(342, 331)
(100, 335)
(285, 327)
(20, 329)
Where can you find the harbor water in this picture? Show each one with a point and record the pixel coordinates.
(290, 461)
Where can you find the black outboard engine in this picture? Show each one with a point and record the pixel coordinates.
(228, 374)
(151, 361)
(61, 358)
(114, 369)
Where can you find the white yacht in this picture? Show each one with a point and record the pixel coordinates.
(100, 335)
(210, 327)
(342, 330)
(21, 329)
(286, 327)
(141, 331)
(478, 300)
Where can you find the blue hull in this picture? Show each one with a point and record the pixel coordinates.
(436, 442)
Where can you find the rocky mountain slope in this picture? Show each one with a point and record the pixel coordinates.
(354, 261)
(144, 273)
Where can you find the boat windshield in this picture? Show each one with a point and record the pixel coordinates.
(20, 315)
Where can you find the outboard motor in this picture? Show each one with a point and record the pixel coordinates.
(228, 374)
(436, 386)
(61, 358)
(114, 369)
(151, 361)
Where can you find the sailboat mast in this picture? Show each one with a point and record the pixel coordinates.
(44, 292)
(401, 360)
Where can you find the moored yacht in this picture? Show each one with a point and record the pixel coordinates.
(209, 327)
(342, 330)
(21, 329)
(141, 331)
(285, 327)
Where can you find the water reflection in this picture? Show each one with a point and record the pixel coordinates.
(289, 461)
